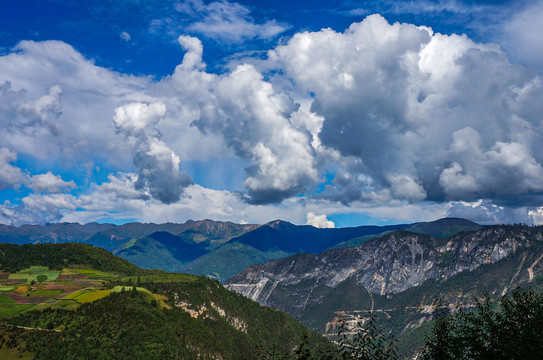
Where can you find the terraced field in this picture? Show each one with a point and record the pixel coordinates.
(40, 287)
(68, 289)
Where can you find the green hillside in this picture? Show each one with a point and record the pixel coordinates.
(57, 256)
(74, 301)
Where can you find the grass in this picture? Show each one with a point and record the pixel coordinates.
(6, 299)
(6, 288)
(13, 354)
(86, 296)
(66, 304)
(93, 273)
(12, 309)
(18, 276)
(21, 289)
(86, 271)
(31, 274)
(75, 295)
(54, 292)
(161, 299)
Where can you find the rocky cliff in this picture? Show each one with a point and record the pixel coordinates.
(403, 275)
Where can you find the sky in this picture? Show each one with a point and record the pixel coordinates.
(325, 113)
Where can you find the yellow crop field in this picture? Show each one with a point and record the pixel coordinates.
(93, 296)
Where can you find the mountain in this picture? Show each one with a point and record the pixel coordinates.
(50, 233)
(211, 233)
(277, 239)
(444, 228)
(166, 246)
(401, 276)
(61, 301)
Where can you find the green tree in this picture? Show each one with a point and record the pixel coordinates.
(511, 330)
(41, 278)
(366, 341)
(303, 352)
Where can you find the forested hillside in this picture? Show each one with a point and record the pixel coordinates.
(82, 302)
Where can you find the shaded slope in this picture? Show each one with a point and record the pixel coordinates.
(275, 240)
(444, 228)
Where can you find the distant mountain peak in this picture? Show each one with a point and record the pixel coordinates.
(279, 224)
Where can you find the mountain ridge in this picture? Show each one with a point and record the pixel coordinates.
(201, 246)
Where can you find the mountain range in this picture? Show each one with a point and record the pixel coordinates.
(217, 249)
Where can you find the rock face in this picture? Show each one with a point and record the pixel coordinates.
(389, 267)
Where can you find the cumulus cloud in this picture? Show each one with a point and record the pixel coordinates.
(49, 183)
(157, 164)
(319, 221)
(484, 211)
(10, 176)
(536, 215)
(57, 104)
(253, 119)
(14, 177)
(428, 116)
(38, 209)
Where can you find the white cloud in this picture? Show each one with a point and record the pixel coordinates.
(38, 209)
(253, 119)
(158, 166)
(227, 21)
(49, 183)
(58, 104)
(125, 36)
(536, 215)
(319, 221)
(13, 177)
(521, 34)
(457, 184)
(10, 176)
(392, 119)
(406, 101)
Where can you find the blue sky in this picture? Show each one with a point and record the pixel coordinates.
(318, 112)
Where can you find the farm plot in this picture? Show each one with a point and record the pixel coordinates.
(10, 306)
(4, 278)
(50, 293)
(94, 273)
(85, 296)
(13, 309)
(34, 273)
